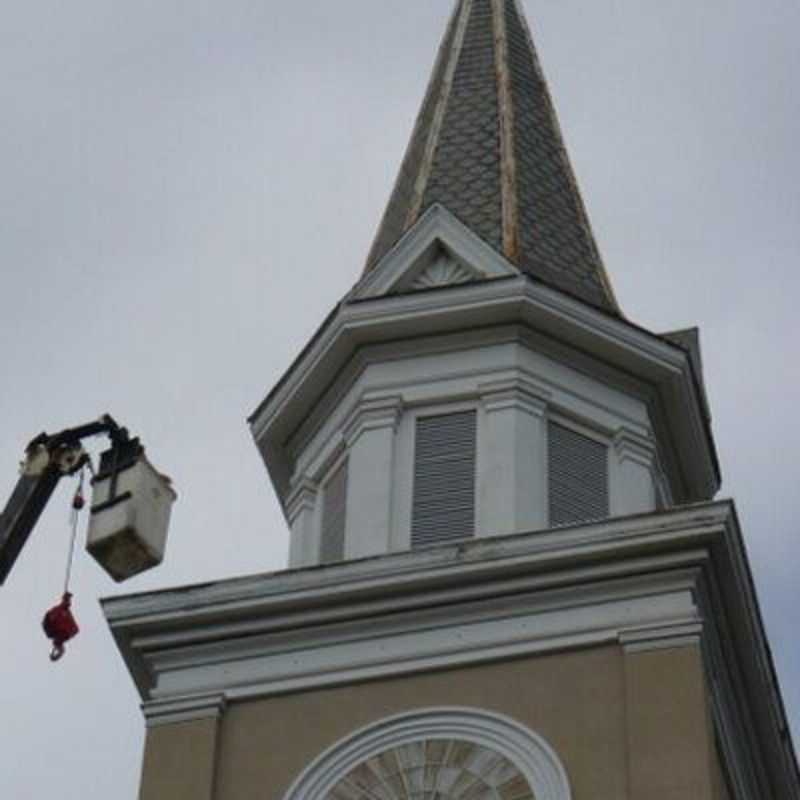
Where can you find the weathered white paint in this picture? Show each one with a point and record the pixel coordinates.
(513, 484)
(370, 442)
(519, 626)
(303, 518)
(444, 271)
(171, 712)
(436, 232)
(634, 476)
(307, 628)
(514, 387)
(373, 327)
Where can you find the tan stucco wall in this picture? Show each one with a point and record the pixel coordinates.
(670, 753)
(575, 701)
(179, 761)
(626, 727)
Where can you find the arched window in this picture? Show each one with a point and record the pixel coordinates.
(447, 753)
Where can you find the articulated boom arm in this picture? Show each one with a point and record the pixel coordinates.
(47, 460)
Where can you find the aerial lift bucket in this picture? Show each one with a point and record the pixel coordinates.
(130, 511)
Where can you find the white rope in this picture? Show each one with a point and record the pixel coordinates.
(74, 514)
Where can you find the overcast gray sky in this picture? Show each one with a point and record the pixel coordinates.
(188, 187)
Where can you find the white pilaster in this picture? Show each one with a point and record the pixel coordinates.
(370, 437)
(512, 483)
(302, 514)
(633, 489)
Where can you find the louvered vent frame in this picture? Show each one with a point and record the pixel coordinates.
(443, 505)
(334, 515)
(577, 477)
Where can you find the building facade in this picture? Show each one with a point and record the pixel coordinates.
(509, 577)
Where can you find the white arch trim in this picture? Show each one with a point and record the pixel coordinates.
(528, 751)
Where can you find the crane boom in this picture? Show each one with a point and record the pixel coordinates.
(21, 514)
(47, 460)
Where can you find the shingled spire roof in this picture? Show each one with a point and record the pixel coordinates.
(487, 146)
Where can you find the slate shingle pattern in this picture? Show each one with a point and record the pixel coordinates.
(556, 243)
(466, 175)
(395, 218)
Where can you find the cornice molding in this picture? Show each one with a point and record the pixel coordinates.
(520, 393)
(632, 446)
(549, 574)
(473, 562)
(302, 498)
(369, 648)
(373, 413)
(185, 709)
(677, 408)
(661, 637)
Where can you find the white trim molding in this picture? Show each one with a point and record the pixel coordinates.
(302, 498)
(634, 473)
(444, 271)
(661, 637)
(519, 392)
(437, 234)
(374, 412)
(633, 446)
(513, 482)
(616, 352)
(302, 516)
(526, 750)
(188, 709)
(511, 381)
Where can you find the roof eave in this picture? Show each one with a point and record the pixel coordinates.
(598, 333)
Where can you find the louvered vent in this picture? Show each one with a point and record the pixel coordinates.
(444, 479)
(334, 508)
(578, 477)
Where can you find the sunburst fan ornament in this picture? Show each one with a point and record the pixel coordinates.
(434, 770)
(445, 271)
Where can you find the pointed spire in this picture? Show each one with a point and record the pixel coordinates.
(488, 147)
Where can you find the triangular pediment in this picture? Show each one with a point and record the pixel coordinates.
(437, 251)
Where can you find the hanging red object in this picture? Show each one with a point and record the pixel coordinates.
(60, 626)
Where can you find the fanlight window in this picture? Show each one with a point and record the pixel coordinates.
(434, 770)
(436, 754)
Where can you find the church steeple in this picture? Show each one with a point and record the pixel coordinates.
(498, 491)
(487, 147)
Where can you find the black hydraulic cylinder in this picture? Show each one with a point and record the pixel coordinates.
(22, 512)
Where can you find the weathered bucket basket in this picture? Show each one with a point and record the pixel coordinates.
(131, 505)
